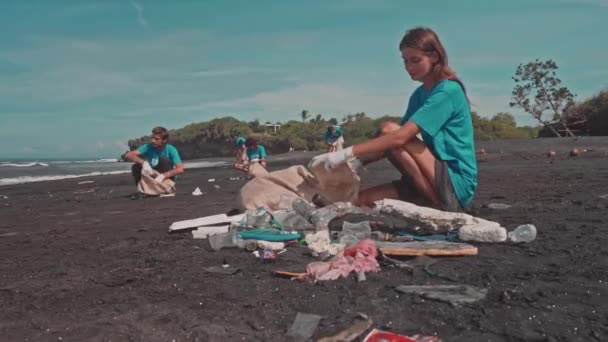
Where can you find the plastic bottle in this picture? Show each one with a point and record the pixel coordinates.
(320, 201)
(523, 233)
(223, 240)
(303, 208)
(353, 232)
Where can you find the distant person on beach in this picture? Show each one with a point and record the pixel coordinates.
(158, 160)
(256, 153)
(240, 154)
(441, 169)
(334, 138)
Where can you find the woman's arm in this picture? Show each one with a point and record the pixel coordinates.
(387, 141)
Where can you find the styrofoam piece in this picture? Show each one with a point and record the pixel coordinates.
(483, 233)
(205, 232)
(205, 221)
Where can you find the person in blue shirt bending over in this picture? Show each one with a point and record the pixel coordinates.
(157, 159)
(334, 138)
(240, 154)
(256, 153)
(440, 170)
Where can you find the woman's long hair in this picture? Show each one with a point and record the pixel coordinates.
(426, 40)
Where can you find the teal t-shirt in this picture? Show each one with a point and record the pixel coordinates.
(257, 153)
(444, 117)
(152, 155)
(331, 137)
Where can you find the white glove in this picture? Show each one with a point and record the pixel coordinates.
(357, 165)
(332, 160)
(160, 178)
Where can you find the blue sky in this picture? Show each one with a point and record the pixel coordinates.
(79, 78)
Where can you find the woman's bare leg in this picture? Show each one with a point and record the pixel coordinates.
(413, 159)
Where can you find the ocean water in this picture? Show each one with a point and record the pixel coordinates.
(25, 171)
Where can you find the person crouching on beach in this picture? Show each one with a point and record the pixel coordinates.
(441, 169)
(240, 154)
(156, 164)
(334, 138)
(256, 153)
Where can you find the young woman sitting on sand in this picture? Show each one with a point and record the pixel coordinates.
(441, 170)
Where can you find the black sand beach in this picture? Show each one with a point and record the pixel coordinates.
(88, 263)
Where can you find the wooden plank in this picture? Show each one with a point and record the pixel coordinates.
(205, 221)
(431, 248)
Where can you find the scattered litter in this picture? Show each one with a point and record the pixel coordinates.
(483, 233)
(523, 233)
(267, 255)
(9, 234)
(379, 336)
(453, 294)
(358, 258)
(449, 236)
(205, 232)
(420, 261)
(197, 192)
(86, 182)
(6, 197)
(291, 275)
(427, 221)
(211, 180)
(215, 186)
(351, 333)
(222, 269)
(600, 196)
(384, 336)
(575, 152)
(320, 244)
(303, 327)
(353, 232)
(87, 191)
(205, 221)
(432, 248)
(222, 240)
(167, 195)
(499, 206)
(276, 246)
(268, 234)
(281, 251)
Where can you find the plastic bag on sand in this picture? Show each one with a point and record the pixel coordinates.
(291, 220)
(320, 218)
(359, 258)
(320, 243)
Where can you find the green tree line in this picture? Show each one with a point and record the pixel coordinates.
(215, 138)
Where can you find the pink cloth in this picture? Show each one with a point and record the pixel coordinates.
(360, 257)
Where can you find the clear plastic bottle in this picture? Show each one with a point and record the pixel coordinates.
(303, 208)
(523, 233)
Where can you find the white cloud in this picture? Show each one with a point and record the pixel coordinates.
(27, 149)
(140, 13)
(233, 71)
(329, 99)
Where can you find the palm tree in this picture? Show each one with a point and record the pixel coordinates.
(304, 115)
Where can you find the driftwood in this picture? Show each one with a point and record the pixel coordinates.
(431, 248)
